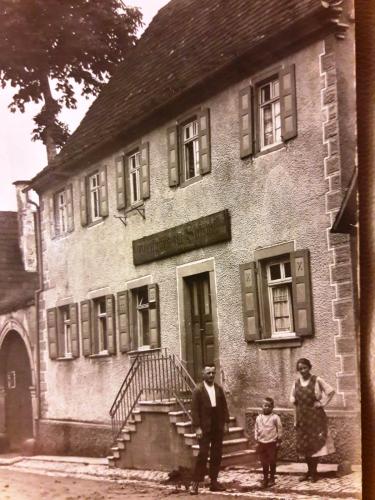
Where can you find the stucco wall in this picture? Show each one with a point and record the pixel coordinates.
(272, 198)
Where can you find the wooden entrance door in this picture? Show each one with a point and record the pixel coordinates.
(17, 378)
(201, 337)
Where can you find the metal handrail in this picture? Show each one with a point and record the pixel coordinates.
(154, 376)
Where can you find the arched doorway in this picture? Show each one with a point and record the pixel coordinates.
(16, 378)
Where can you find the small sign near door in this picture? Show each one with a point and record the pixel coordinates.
(11, 380)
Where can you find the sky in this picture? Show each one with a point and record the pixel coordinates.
(20, 157)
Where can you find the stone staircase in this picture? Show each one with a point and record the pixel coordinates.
(159, 436)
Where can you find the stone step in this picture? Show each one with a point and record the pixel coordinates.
(233, 433)
(136, 415)
(183, 427)
(111, 461)
(121, 443)
(243, 457)
(115, 452)
(229, 446)
(164, 406)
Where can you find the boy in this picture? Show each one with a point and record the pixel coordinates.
(268, 432)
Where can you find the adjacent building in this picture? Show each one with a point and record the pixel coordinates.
(191, 210)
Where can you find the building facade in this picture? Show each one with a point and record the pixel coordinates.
(191, 210)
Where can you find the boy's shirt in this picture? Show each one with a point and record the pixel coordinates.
(268, 428)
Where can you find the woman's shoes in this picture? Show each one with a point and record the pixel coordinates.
(194, 488)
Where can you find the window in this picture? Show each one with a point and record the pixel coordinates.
(134, 166)
(98, 326)
(276, 295)
(268, 111)
(94, 197)
(138, 317)
(189, 149)
(133, 177)
(190, 153)
(61, 212)
(62, 327)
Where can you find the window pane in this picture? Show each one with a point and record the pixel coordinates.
(281, 308)
(275, 272)
(276, 90)
(189, 160)
(267, 125)
(266, 93)
(287, 270)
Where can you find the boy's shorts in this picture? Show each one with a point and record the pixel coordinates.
(267, 452)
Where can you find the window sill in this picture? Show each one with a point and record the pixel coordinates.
(191, 181)
(280, 342)
(95, 222)
(139, 351)
(62, 236)
(265, 151)
(103, 354)
(66, 358)
(134, 207)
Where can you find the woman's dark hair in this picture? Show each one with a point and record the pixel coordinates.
(303, 361)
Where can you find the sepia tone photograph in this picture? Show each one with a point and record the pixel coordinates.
(184, 279)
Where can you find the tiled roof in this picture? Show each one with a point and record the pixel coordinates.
(17, 286)
(187, 42)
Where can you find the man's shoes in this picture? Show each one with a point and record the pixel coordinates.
(314, 478)
(216, 486)
(194, 488)
(271, 481)
(264, 484)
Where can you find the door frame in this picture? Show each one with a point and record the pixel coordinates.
(183, 298)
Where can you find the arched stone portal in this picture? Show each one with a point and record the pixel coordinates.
(16, 389)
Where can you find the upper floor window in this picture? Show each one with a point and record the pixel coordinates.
(190, 153)
(268, 111)
(189, 149)
(94, 196)
(133, 177)
(61, 212)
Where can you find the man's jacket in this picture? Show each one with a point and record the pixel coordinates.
(201, 408)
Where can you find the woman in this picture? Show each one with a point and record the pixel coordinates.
(313, 438)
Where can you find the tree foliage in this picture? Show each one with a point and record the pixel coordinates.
(46, 43)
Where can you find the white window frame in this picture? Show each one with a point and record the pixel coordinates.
(67, 332)
(273, 102)
(138, 310)
(94, 196)
(190, 135)
(134, 172)
(61, 212)
(101, 325)
(274, 283)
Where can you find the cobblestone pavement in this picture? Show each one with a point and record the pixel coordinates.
(238, 481)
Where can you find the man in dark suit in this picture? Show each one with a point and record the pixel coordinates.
(210, 418)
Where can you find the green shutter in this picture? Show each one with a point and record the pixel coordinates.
(51, 216)
(69, 208)
(103, 191)
(120, 182)
(73, 314)
(204, 141)
(83, 200)
(153, 311)
(123, 320)
(145, 170)
(250, 301)
(173, 170)
(288, 106)
(302, 300)
(86, 327)
(52, 332)
(246, 122)
(111, 326)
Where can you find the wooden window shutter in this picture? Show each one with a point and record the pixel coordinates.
(69, 207)
(288, 106)
(145, 170)
(153, 301)
(302, 300)
(86, 327)
(51, 216)
(83, 201)
(73, 314)
(52, 332)
(246, 122)
(123, 320)
(173, 168)
(204, 141)
(250, 301)
(120, 182)
(103, 191)
(111, 325)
